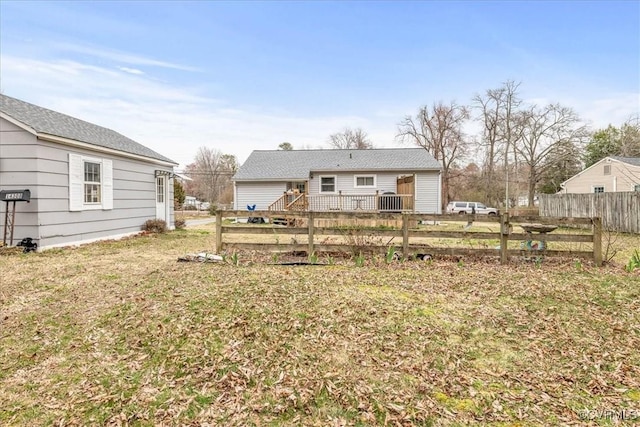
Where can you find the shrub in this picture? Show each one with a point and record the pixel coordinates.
(154, 226)
(213, 208)
(178, 193)
(180, 223)
(360, 239)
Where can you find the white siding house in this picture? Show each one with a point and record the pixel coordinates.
(268, 174)
(87, 182)
(611, 174)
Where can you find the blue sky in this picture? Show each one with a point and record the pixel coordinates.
(239, 76)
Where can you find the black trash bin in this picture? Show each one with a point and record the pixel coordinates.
(389, 202)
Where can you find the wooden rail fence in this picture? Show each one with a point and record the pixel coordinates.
(406, 237)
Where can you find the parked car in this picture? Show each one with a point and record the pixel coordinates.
(204, 206)
(470, 208)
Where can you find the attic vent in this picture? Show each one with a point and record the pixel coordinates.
(607, 169)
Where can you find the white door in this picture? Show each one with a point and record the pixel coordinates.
(161, 197)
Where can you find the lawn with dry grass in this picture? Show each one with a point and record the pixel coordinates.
(121, 333)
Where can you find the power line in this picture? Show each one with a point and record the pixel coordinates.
(206, 173)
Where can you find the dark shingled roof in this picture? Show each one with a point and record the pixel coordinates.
(50, 122)
(635, 161)
(297, 164)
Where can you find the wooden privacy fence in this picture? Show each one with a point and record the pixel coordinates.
(306, 236)
(619, 211)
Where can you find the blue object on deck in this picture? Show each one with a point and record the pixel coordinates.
(251, 207)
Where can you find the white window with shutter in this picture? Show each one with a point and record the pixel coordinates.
(90, 183)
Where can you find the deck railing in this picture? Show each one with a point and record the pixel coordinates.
(299, 203)
(391, 203)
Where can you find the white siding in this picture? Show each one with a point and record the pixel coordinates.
(622, 177)
(261, 194)
(427, 186)
(427, 192)
(385, 181)
(43, 167)
(18, 163)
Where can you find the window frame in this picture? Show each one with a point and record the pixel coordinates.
(160, 192)
(596, 187)
(86, 183)
(335, 184)
(607, 170)
(371, 175)
(78, 183)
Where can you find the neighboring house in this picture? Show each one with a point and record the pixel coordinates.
(610, 174)
(87, 182)
(349, 180)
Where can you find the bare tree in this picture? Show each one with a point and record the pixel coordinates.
(211, 174)
(466, 183)
(355, 139)
(549, 133)
(439, 131)
(497, 109)
(630, 137)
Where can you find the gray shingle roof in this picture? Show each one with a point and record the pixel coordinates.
(297, 164)
(50, 122)
(635, 161)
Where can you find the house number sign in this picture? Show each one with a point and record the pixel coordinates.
(15, 195)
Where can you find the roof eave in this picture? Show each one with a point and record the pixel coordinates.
(625, 160)
(280, 179)
(18, 123)
(79, 144)
(377, 169)
(93, 147)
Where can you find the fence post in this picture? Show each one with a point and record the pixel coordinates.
(405, 236)
(597, 241)
(311, 226)
(504, 238)
(218, 231)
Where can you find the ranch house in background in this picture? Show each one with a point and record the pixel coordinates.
(87, 182)
(382, 180)
(611, 174)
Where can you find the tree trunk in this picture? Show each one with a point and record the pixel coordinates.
(532, 186)
(445, 191)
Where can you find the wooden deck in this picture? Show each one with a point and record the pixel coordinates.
(385, 203)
